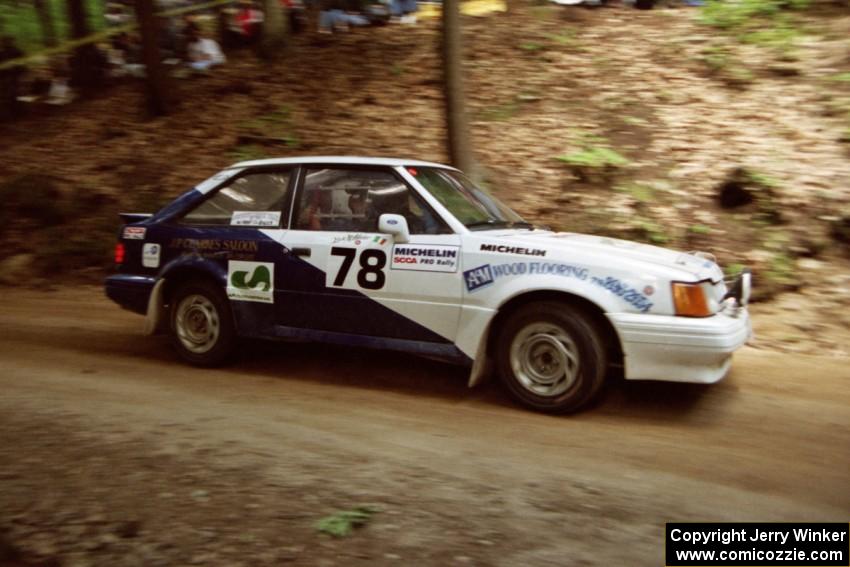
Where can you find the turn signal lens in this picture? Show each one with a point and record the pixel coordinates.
(119, 253)
(690, 300)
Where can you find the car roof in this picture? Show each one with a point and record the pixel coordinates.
(342, 160)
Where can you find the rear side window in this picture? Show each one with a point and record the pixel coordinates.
(256, 199)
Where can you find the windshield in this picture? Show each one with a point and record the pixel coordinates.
(471, 205)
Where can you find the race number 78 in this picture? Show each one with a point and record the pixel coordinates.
(371, 273)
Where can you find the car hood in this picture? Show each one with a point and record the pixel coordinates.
(605, 249)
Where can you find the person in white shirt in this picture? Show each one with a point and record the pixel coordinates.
(203, 52)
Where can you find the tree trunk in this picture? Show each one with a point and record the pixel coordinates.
(275, 30)
(77, 16)
(460, 150)
(88, 64)
(48, 32)
(158, 88)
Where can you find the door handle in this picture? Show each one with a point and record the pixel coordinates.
(301, 252)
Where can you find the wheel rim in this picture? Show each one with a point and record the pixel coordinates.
(544, 359)
(197, 324)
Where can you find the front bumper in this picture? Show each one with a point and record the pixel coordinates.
(129, 291)
(681, 349)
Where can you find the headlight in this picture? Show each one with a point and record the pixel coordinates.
(693, 299)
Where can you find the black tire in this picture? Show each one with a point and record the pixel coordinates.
(206, 315)
(528, 357)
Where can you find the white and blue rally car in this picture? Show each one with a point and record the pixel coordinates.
(412, 256)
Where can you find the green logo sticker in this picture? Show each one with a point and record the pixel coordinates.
(260, 277)
(250, 281)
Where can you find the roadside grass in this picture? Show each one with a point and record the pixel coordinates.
(343, 523)
(699, 229)
(640, 192)
(275, 127)
(247, 152)
(722, 62)
(767, 23)
(595, 158)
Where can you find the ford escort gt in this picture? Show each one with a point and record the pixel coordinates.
(413, 256)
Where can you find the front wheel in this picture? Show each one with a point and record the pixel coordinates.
(202, 329)
(550, 357)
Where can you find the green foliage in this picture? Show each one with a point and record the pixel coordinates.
(731, 15)
(276, 126)
(248, 152)
(780, 36)
(654, 232)
(634, 121)
(759, 22)
(716, 57)
(641, 192)
(343, 523)
(759, 178)
(500, 113)
(595, 157)
(733, 270)
(781, 269)
(19, 20)
(565, 38)
(699, 229)
(397, 70)
(532, 46)
(720, 60)
(842, 78)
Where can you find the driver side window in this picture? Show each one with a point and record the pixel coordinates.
(351, 200)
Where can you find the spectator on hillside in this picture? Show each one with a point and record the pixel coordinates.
(125, 56)
(187, 31)
(331, 16)
(247, 23)
(60, 93)
(204, 52)
(338, 15)
(116, 15)
(297, 14)
(403, 11)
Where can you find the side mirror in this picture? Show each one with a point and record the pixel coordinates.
(396, 226)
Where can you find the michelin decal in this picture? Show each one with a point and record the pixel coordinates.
(250, 281)
(425, 257)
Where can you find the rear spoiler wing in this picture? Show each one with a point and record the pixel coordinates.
(129, 218)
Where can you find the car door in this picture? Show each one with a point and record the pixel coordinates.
(235, 231)
(353, 279)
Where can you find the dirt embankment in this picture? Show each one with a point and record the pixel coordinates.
(114, 453)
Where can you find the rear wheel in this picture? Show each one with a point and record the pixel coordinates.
(202, 329)
(551, 357)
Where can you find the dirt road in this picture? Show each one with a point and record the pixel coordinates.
(114, 453)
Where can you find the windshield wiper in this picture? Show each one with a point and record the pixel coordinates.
(522, 224)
